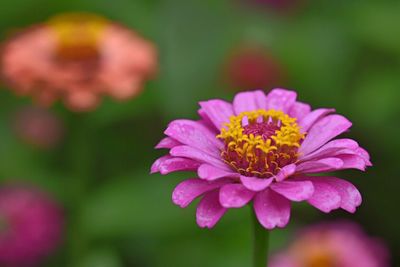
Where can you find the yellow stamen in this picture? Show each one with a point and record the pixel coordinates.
(257, 154)
(78, 34)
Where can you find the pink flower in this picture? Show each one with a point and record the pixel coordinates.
(38, 127)
(78, 58)
(341, 244)
(252, 67)
(31, 226)
(264, 149)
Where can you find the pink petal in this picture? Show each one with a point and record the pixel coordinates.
(299, 110)
(210, 172)
(234, 196)
(194, 134)
(188, 190)
(281, 99)
(205, 120)
(325, 198)
(217, 111)
(168, 164)
(167, 142)
(249, 101)
(294, 190)
(254, 183)
(272, 210)
(322, 165)
(330, 149)
(313, 117)
(285, 172)
(352, 162)
(363, 154)
(209, 210)
(350, 196)
(323, 131)
(196, 154)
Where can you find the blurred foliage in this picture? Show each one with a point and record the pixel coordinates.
(337, 54)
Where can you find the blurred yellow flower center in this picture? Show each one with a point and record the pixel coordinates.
(321, 261)
(78, 35)
(259, 143)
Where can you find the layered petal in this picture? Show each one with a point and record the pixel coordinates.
(196, 154)
(205, 120)
(249, 101)
(209, 210)
(285, 172)
(322, 165)
(188, 190)
(299, 110)
(254, 183)
(294, 190)
(217, 111)
(168, 164)
(323, 131)
(312, 117)
(347, 150)
(325, 198)
(235, 195)
(194, 134)
(330, 149)
(281, 99)
(361, 152)
(272, 209)
(352, 162)
(349, 195)
(210, 172)
(167, 142)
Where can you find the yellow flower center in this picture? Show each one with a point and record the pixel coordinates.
(259, 143)
(78, 35)
(322, 260)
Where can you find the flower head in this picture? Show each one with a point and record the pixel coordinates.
(31, 226)
(341, 244)
(264, 149)
(77, 57)
(38, 127)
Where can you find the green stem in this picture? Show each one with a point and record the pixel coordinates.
(260, 243)
(81, 174)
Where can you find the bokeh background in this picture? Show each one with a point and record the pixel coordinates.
(342, 54)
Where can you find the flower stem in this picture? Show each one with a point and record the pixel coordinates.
(260, 244)
(81, 162)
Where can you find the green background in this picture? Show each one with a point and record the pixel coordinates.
(341, 54)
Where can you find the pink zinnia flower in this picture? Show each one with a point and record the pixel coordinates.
(31, 226)
(38, 127)
(341, 244)
(252, 67)
(77, 57)
(264, 149)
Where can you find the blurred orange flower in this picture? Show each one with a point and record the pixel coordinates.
(77, 57)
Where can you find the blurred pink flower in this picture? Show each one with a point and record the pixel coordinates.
(31, 226)
(262, 148)
(77, 57)
(252, 67)
(38, 127)
(341, 244)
